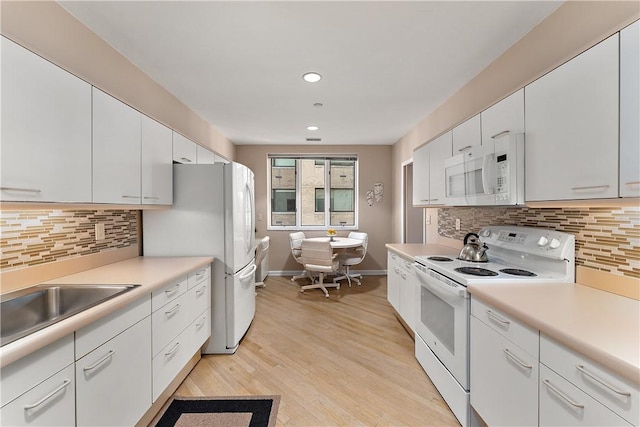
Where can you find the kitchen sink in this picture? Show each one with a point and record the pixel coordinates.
(28, 310)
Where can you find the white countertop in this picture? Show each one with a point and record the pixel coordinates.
(148, 272)
(602, 326)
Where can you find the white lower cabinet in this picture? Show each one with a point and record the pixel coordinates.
(114, 381)
(50, 403)
(393, 280)
(402, 288)
(503, 379)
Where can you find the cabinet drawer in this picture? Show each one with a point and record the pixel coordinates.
(199, 276)
(169, 361)
(522, 335)
(51, 403)
(199, 298)
(168, 293)
(563, 404)
(504, 379)
(113, 382)
(101, 331)
(169, 321)
(31, 370)
(199, 331)
(616, 393)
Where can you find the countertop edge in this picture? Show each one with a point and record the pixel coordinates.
(37, 340)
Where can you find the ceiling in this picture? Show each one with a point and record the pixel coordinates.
(239, 64)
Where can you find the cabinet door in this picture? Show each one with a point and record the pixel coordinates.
(101, 376)
(466, 135)
(421, 176)
(157, 163)
(393, 281)
(572, 128)
(563, 404)
(50, 403)
(504, 379)
(504, 116)
(204, 156)
(46, 130)
(408, 294)
(440, 150)
(184, 150)
(116, 151)
(630, 111)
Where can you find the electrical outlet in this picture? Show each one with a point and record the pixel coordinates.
(428, 219)
(457, 223)
(99, 232)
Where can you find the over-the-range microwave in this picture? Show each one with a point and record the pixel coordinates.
(487, 174)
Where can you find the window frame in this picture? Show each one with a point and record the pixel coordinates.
(327, 194)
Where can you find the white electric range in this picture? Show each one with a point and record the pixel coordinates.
(516, 255)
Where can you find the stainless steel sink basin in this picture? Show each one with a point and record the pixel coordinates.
(28, 310)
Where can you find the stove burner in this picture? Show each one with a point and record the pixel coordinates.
(440, 258)
(517, 272)
(476, 271)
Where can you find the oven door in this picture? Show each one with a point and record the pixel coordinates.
(443, 321)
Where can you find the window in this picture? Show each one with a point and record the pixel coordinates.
(313, 192)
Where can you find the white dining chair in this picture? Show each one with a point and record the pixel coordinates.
(352, 257)
(295, 242)
(319, 257)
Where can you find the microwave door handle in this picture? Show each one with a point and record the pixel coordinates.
(486, 174)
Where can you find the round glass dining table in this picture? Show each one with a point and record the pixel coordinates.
(338, 242)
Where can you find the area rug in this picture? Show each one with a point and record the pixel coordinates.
(219, 411)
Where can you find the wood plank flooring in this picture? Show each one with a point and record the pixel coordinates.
(338, 361)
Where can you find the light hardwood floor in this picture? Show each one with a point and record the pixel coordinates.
(338, 361)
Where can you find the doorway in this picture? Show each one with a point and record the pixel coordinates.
(413, 218)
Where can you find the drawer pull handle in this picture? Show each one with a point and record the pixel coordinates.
(173, 350)
(464, 148)
(500, 134)
(173, 310)
(151, 198)
(200, 274)
(404, 276)
(64, 384)
(494, 316)
(24, 190)
(99, 362)
(201, 290)
(561, 394)
(201, 323)
(173, 290)
(632, 183)
(591, 187)
(393, 256)
(185, 159)
(130, 197)
(582, 369)
(516, 359)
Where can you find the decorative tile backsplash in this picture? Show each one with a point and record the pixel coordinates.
(607, 239)
(28, 238)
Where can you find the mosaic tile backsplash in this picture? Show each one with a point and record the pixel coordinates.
(29, 238)
(607, 239)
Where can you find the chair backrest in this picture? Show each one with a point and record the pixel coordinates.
(360, 236)
(295, 242)
(317, 253)
(261, 251)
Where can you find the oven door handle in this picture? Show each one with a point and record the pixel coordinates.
(438, 286)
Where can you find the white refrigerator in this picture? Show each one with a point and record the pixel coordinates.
(213, 215)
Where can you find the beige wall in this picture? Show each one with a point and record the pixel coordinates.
(47, 29)
(374, 165)
(573, 28)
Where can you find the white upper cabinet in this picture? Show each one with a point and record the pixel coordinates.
(116, 151)
(630, 111)
(466, 134)
(204, 156)
(421, 176)
(184, 150)
(46, 130)
(572, 128)
(440, 150)
(157, 164)
(502, 117)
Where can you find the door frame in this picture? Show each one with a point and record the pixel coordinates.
(403, 203)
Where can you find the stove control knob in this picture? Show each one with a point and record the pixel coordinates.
(555, 244)
(542, 241)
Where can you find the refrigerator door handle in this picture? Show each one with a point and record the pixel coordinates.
(249, 273)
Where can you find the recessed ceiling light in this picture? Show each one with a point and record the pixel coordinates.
(311, 77)
(312, 127)
(318, 104)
